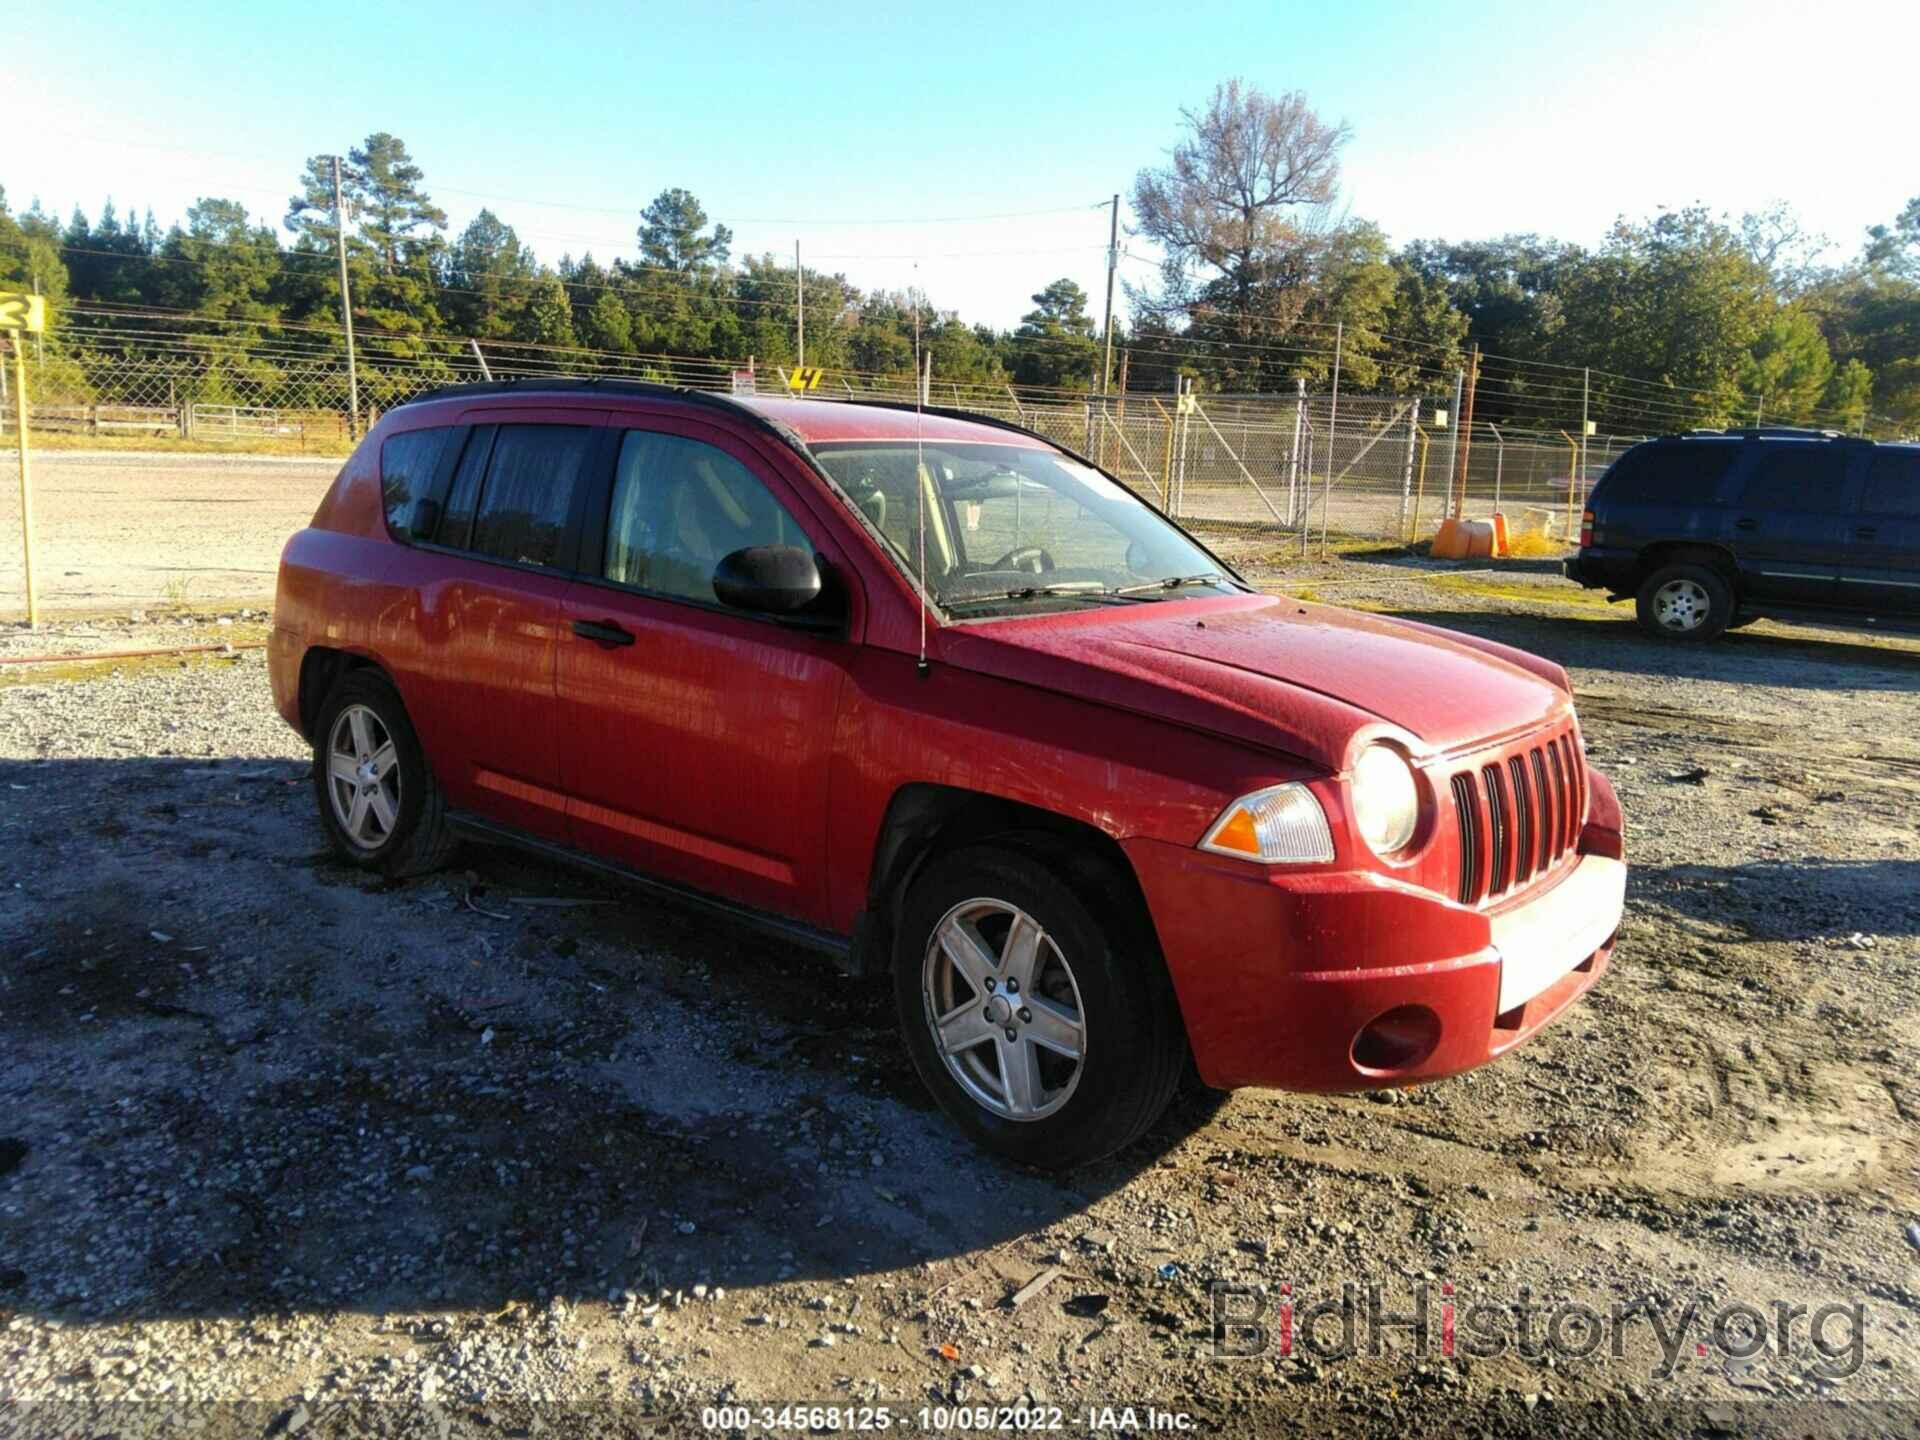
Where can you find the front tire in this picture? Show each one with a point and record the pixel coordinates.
(377, 798)
(1684, 601)
(1049, 1036)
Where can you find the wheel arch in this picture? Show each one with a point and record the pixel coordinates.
(1679, 552)
(320, 670)
(924, 821)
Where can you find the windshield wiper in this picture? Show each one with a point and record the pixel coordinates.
(1173, 582)
(1079, 590)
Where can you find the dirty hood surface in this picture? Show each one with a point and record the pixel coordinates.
(1276, 671)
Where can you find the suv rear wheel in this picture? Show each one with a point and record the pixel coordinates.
(1684, 601)
(1049, 1036)
(378, 800)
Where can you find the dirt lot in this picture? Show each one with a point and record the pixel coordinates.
(119, 530)
(280, 1133)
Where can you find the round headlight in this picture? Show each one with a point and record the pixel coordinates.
(1386, 799)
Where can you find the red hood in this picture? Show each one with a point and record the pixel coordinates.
(1276, 672)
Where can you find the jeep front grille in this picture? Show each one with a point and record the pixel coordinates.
(1518, 815)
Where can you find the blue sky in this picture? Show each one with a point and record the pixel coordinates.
(819, 121)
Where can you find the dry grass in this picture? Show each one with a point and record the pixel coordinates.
(1492, 587)
(1535, 546)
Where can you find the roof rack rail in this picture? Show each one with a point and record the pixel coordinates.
(612, 384)
(663, 390)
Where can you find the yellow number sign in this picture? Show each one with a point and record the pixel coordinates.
(804, 377)
(23, 312)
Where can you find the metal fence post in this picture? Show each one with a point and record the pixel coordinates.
(1293, 454)
(1499, 462)
(1166, 460)
(1181, 442)
(1586, 384)
(1406, 474)
(1333, 431)
(1306, 497)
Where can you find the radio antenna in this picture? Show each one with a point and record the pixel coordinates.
(920, 469)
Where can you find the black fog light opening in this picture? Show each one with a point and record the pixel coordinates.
(1397, 1040)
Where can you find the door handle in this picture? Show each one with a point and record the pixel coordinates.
(1749, 523)
(603, 632)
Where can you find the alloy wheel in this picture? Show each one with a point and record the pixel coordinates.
(363, 777)
(1004, 1010)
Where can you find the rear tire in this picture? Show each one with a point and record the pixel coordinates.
(1684, 601)
(378, 800)
(1002, 971)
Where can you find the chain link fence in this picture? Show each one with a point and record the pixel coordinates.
(1381, 467)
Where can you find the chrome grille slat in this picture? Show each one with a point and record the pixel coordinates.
(1524, 859)
(1557, 764)
(1497, 826)
(1467, 810)
(1542, 809)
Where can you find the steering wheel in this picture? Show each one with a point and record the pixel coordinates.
(1032, 558)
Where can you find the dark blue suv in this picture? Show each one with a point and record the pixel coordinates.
(1716, 529)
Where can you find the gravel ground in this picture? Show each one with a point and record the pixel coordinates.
(504, 1151)
(117, 529)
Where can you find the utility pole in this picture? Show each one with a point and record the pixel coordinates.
(1113, 264)
(1453, 423)
(1466, 434)
(346, 306)
(800, 307)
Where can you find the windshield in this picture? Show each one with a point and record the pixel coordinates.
(1009, 527)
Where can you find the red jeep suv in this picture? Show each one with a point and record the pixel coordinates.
(937, 697)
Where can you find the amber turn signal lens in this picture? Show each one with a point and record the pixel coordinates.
(1280, 825)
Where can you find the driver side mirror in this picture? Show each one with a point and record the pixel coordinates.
(779, 581)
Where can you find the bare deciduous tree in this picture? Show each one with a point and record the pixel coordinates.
(1249, 187)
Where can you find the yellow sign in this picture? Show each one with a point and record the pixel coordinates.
(1185, 403)
(23, 312)
(804, 377)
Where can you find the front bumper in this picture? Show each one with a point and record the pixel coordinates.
(1291, 980)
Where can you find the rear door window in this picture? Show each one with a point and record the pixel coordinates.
(1794, 476)
(533, 475)
(1688, 473)
(1893, 484)
(407, 465)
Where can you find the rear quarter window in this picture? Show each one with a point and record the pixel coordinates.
(1796, 475)
(1893, 484)
(407, 465)
(1685, 474)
